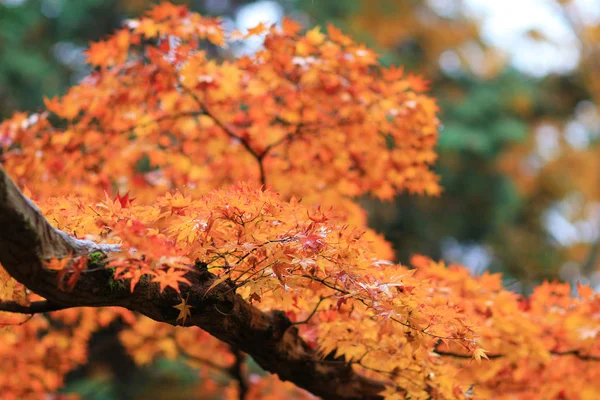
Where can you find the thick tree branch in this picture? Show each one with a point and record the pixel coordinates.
(27, 239)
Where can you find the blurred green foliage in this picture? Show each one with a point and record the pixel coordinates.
(40, 47)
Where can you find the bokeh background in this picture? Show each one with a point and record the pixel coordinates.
(518, 84)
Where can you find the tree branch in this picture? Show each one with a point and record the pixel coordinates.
(577, 353)
(36, 307)
(589, 265)
(237, 372)
(229, 132)
(27, 239)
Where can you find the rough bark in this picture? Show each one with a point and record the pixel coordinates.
(27, 239)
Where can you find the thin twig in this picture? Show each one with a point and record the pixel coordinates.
(312, 312)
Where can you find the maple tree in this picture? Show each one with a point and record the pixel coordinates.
(210, 206)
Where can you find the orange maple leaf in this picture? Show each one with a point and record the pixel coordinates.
(57, 264)
(257, 30)
(170, 278)
(290, 27)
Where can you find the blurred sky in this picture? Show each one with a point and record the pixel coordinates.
(507, 22)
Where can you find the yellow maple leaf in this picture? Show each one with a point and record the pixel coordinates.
(257, 30)
(479, 353)
(314, 36)
(184, 311)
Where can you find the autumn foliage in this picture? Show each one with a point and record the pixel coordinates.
(187, 157)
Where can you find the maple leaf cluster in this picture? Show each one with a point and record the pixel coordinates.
(306, 124)
(307, 114)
